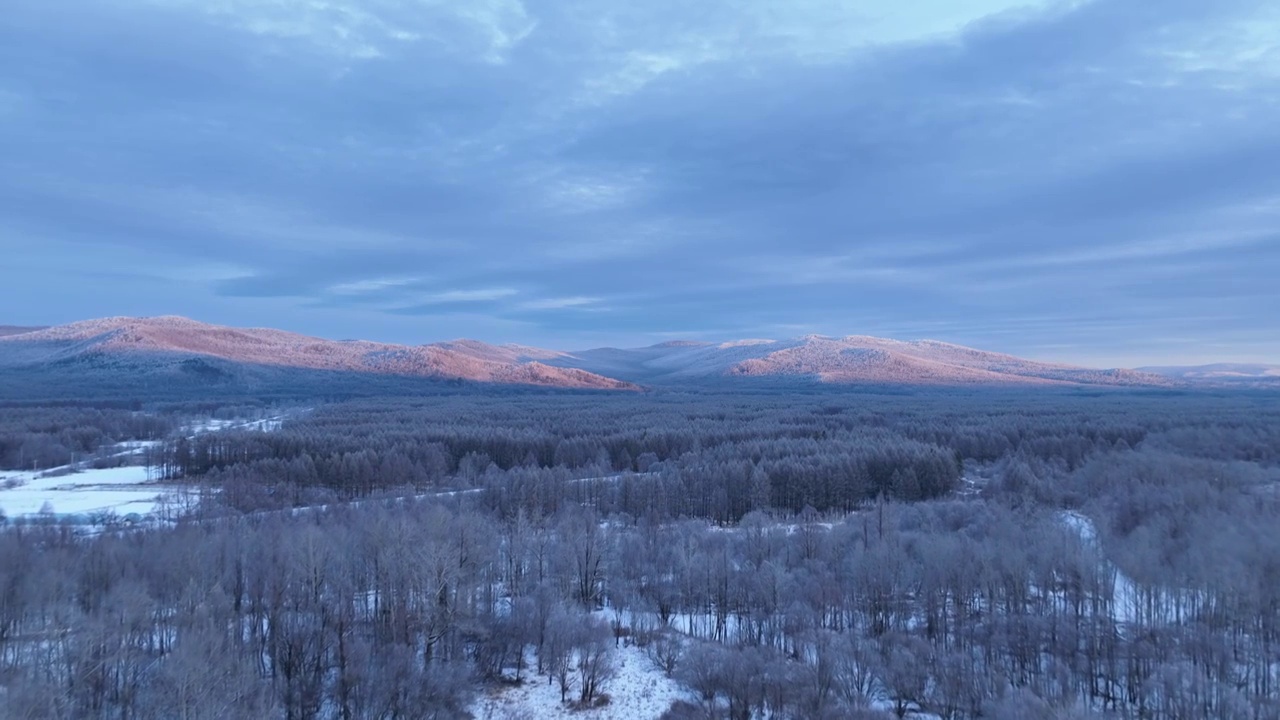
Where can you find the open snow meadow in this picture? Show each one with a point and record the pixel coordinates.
(134, 490)
(121, 490)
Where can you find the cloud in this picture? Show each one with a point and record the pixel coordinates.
(435, 303)
(1023, 174)
(373, 285)
(559, 303)
(373, 29)
(465, 296)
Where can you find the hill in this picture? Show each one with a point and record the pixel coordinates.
(1222, 373)
(852, 359)
(122, 350)
(175, 347)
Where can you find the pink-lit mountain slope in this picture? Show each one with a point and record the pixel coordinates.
(145, 347)
(156, 344)
(853, 359)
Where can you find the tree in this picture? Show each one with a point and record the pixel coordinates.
(559, 649)
(595, 660)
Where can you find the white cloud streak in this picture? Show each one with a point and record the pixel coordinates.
(559, 303)
(369, 29)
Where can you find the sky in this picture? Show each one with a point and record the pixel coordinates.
(1093, 181)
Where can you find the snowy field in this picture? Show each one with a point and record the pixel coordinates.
(640, 691)
(121, 490)
(79, 495)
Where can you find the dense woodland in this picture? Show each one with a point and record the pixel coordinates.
(782, 555)
(45, 437)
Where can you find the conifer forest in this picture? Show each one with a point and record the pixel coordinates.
(864, 554)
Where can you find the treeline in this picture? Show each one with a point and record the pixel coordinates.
(41, 438)
(715, 456)
(405, 609)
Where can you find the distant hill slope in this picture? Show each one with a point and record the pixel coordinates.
(1221, 372)
(6, 330)
(175, 346)
(853, 359)
(119, 351)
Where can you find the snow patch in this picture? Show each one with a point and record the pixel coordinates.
(1125, 598)
(640, 691)
(121, 490)
(64, 492)
(748, 342)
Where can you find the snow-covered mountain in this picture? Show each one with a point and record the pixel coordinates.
(853, 359)
(181, 348)
(1221, 372)
(178, 346)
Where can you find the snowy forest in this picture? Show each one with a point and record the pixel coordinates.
(862, 554)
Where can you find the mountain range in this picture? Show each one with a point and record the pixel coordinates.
(179, 348)
(852, 359)
(1220, 372)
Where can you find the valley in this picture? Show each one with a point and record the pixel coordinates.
(867, 553)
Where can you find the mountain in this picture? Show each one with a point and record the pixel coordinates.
(176, 347)
(126, 351)
(16, 330)
(1220, 372)
(853, 359)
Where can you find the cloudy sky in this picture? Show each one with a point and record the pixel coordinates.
(1095, 181)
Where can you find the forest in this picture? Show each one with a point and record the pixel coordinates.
(872, 553)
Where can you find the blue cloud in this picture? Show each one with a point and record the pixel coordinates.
(1090, 180)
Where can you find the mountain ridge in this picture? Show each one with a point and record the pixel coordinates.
(847, 359)
(174, 344)
(1227, 373)
(6, 330)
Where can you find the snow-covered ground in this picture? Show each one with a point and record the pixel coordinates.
(135, 448)
(121, 490)
(1124, 602)
(270, 424)
(72, 491)
(640, 691)
(886, 705)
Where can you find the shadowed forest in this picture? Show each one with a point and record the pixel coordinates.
(835, 554)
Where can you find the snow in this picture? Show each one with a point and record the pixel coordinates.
(1081, 525)
(640, 691)
(69, 490)
(135, 447)
(1125, 599)
(913, 712)
(270, 424)
(122, 490)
